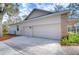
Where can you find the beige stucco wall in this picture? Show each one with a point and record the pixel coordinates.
(52, 19)
(21, 30)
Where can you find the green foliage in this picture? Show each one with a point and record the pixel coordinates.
(5, 30)
(73, 39)
(64, 41)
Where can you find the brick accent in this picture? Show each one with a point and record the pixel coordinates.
(64, 22)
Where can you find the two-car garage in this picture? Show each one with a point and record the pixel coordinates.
(51, 31)
(46, 27)
(43, 25)
(49, 27)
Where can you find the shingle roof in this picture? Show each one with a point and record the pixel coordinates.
(37, 10)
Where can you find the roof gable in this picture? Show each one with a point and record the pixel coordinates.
(37, 13)
(46, 13)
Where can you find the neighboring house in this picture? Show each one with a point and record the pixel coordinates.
(45, 24)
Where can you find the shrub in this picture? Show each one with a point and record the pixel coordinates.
(64, 41)
(71, 39)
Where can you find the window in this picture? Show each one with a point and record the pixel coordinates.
(71, 29)
(74, 28)
(77, 29)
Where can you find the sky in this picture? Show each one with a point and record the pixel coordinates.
(26, 8)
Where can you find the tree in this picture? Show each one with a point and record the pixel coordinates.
(8, 8)
(59, 7)
(74, 8)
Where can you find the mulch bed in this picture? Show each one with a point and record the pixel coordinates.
(6, 37)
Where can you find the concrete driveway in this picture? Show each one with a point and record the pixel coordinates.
(23, 45)
(35, 46)
(7, 50)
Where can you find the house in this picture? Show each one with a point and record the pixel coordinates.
(45, 24)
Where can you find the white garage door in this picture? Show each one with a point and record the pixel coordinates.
(47, 31)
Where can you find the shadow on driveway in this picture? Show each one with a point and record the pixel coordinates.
(40, 46)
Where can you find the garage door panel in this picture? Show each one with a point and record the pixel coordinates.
(47, 31)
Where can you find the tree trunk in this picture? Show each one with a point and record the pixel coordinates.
(1, 30)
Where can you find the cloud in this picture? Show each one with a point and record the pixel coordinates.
(46, 6)
(26, 8)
